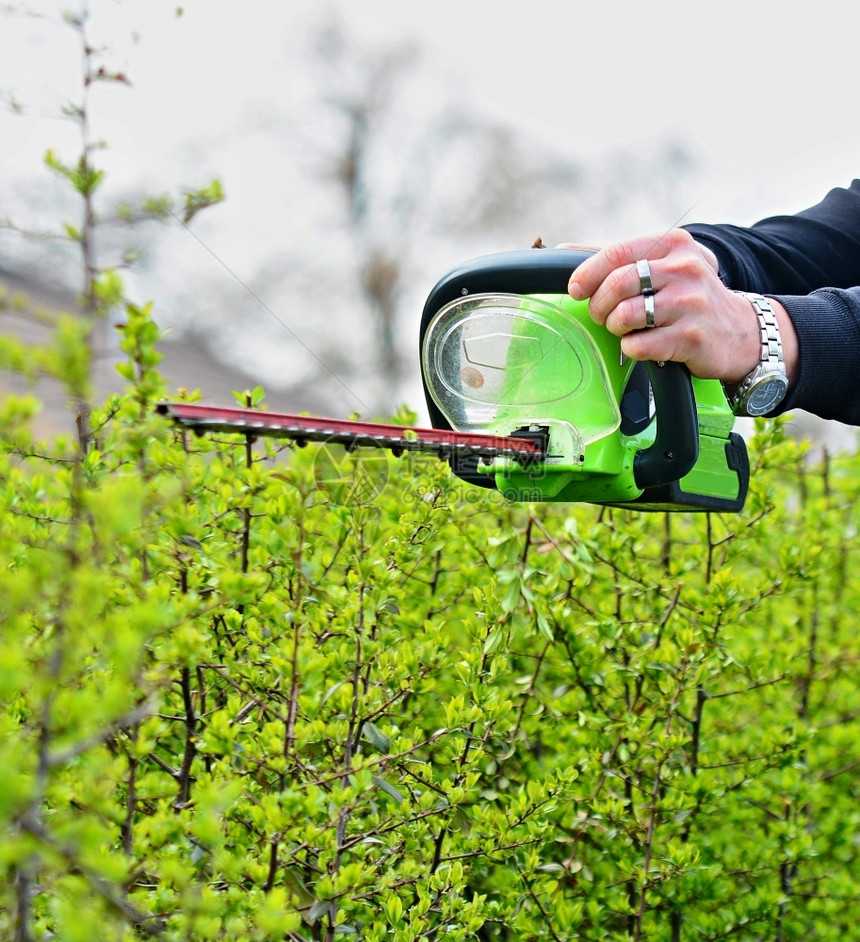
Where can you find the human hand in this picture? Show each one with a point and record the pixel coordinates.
(699, 321)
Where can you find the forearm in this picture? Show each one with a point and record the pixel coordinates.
(809, 264)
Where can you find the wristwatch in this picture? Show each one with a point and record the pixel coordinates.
(766, 386)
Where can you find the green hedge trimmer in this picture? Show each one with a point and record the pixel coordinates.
(527, 395)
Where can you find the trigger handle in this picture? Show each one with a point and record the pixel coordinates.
(676, 448)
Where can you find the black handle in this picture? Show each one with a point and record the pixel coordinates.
(676, 447)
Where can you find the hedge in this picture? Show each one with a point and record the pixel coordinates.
(258, 692)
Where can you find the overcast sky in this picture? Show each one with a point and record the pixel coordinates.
(762, 94)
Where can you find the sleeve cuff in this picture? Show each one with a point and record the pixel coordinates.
(828, 338)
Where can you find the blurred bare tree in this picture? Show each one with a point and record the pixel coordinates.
(371, 174)
(412, 177)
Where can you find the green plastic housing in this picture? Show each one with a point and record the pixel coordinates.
(507, 363)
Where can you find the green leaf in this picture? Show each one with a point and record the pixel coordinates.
(388, 789)
(377, 739)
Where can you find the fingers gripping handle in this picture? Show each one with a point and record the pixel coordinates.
(676, 447)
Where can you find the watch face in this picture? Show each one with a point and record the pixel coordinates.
(766, 395)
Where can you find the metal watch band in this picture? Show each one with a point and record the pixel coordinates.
(771, 342)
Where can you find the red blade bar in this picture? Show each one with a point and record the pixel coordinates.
(352, 434)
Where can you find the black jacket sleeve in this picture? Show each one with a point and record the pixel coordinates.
(810, 262)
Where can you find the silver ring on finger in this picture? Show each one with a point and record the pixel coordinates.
(650, 319)
(646, 286)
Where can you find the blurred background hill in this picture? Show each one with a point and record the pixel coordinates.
(364, 149)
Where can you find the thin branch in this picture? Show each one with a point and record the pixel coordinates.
(104, 734)
(145, 922)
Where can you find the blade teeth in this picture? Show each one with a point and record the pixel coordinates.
(304, 432)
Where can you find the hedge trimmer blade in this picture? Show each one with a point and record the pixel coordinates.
(525, 446)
